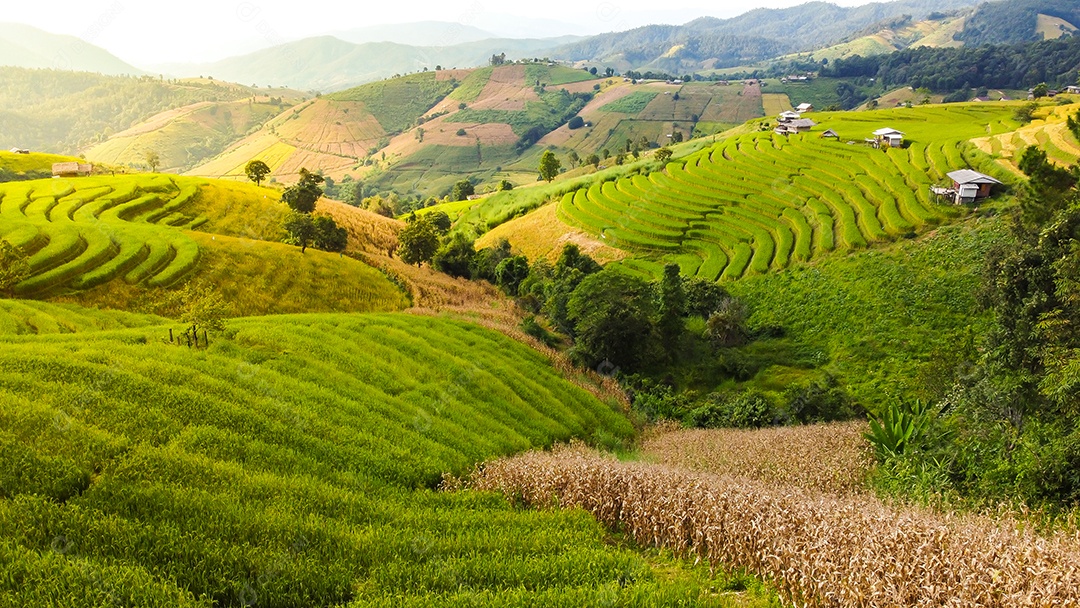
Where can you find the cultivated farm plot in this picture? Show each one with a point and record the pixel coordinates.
(85, 232)
(760, 202)
(1049, 132)
(293, 460)
(819, 547)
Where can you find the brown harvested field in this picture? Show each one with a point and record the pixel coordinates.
(692, 102)
(368, 232)
(829, 457)
(458, 75)
(332, 165)
(540, 234)
(159, 121)
(506, 90)
(490, 134)
(734, 105)
(817, 549)
(333, 127)
(606, 96)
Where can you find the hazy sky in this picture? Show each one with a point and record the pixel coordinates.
(151, 32)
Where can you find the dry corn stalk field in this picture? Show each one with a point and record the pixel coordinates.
(818, 548)
(829, 457)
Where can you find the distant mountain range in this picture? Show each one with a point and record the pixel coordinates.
(28, 47)
(329, 64)
(760, 34)
(351, 57)
(420, 33)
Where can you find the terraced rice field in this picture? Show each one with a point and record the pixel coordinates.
(85, 232)
(1048, 132)
(135, 473)
(760, 202)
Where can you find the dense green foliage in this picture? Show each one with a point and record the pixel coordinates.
(302, 196)
(949, 69)
(746, 39)
(146, 474)
(1004, 420)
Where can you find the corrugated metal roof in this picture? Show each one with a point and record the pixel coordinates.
(887, 131)
(967, 176)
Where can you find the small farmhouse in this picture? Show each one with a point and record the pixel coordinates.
(19, 151)
(971, 186)
(889, 137)
(830, 134)
(796, 126)
(1072, 90)
(71, 169)
(804, 107)
(788, 116)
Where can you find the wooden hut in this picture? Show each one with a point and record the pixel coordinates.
(72, 169)
(889, 137)
(830, 134)
(971, 186)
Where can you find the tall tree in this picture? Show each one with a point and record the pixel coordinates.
(302, 196)
(612, 314)
(418, 241)
(301, 229)
(153, 160)
(549, 166)
(257, 171)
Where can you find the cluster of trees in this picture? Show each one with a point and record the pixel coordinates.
(303, 227)
(1073, 123)
(1019, 66)
(1007, 423)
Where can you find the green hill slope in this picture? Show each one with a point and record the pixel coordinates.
(110, 238)
(63, 112)
(759, 202)
(18, 167)
(154, 475)
(185, 137)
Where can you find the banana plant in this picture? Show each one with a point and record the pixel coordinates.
(902, 424)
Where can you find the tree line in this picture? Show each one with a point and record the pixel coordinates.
(1015, 66)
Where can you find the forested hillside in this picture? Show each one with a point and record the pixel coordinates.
(1014, 21)
(1019, 66)
(61, 112)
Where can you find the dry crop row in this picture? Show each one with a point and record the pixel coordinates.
(818, 549)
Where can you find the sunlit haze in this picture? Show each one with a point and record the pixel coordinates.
(151, 33)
